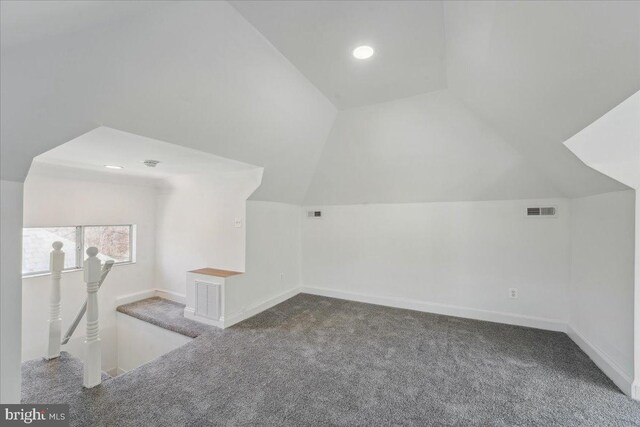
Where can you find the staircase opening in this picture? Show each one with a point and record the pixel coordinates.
(103, 229)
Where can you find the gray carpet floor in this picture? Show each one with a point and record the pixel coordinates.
(320, 361)
(61, 376)
(165, 314)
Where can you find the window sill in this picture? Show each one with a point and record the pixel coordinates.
(74, 270)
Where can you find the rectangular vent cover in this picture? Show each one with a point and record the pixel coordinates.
(542, 211)
(314, 214)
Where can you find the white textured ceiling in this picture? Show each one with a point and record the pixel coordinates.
(611, 144)
(539, 72)
(23, 21)
(195, 74)
(420, 149)
(521, 77)
(106, 146)
(319, 36)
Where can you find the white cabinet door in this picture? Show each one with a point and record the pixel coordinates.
(208, 300)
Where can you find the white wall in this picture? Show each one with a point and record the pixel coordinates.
(140, 342)
(196, 226)
(602, 281)
(611, 145)
(273, 258)
(636, 351)
(10, 290)
(445, 256)
(53, 201)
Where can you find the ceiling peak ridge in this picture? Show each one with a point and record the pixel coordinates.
(395, 100)
(282, 55)
(506, 137)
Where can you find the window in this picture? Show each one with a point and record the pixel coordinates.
(36, 247)
(114, 242)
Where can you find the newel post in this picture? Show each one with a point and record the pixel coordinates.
(92, 363)
(56, 265)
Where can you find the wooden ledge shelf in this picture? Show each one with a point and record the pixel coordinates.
(215, 272)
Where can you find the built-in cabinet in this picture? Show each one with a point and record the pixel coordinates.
(206, 295)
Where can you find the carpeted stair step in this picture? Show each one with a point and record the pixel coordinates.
(165, 314)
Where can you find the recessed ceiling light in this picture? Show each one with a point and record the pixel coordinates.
(113, 167)
(363, 52)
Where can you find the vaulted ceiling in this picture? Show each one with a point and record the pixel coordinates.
(318, 37)
(195, 74)
(462, 101)
(429, 147)
(538, 72)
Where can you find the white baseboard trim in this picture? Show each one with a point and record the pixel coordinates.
(170, 295)
(449, 310)
(136, 296)
(623, 380)
(149, 293)
(258, 308)
(190, 313)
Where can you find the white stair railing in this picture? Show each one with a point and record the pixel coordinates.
(56, 265)
(106, 268)
(94, 275)
(92, 362)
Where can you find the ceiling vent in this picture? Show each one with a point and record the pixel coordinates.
(314, 214)
(548, 212)
(151, 163)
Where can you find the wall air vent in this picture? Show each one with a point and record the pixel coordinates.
(533, 211)
(548, 212)
(314, 214)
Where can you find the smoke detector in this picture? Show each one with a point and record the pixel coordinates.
(151, 163)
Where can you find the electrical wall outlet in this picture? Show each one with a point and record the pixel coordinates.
(237, 223)
(513, 293)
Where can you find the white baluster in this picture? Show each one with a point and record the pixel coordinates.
(92, 363)
(56, 265)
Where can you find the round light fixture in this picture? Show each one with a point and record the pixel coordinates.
(363, 52)
(113, 167)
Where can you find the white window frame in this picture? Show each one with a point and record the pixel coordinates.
(80, 249)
